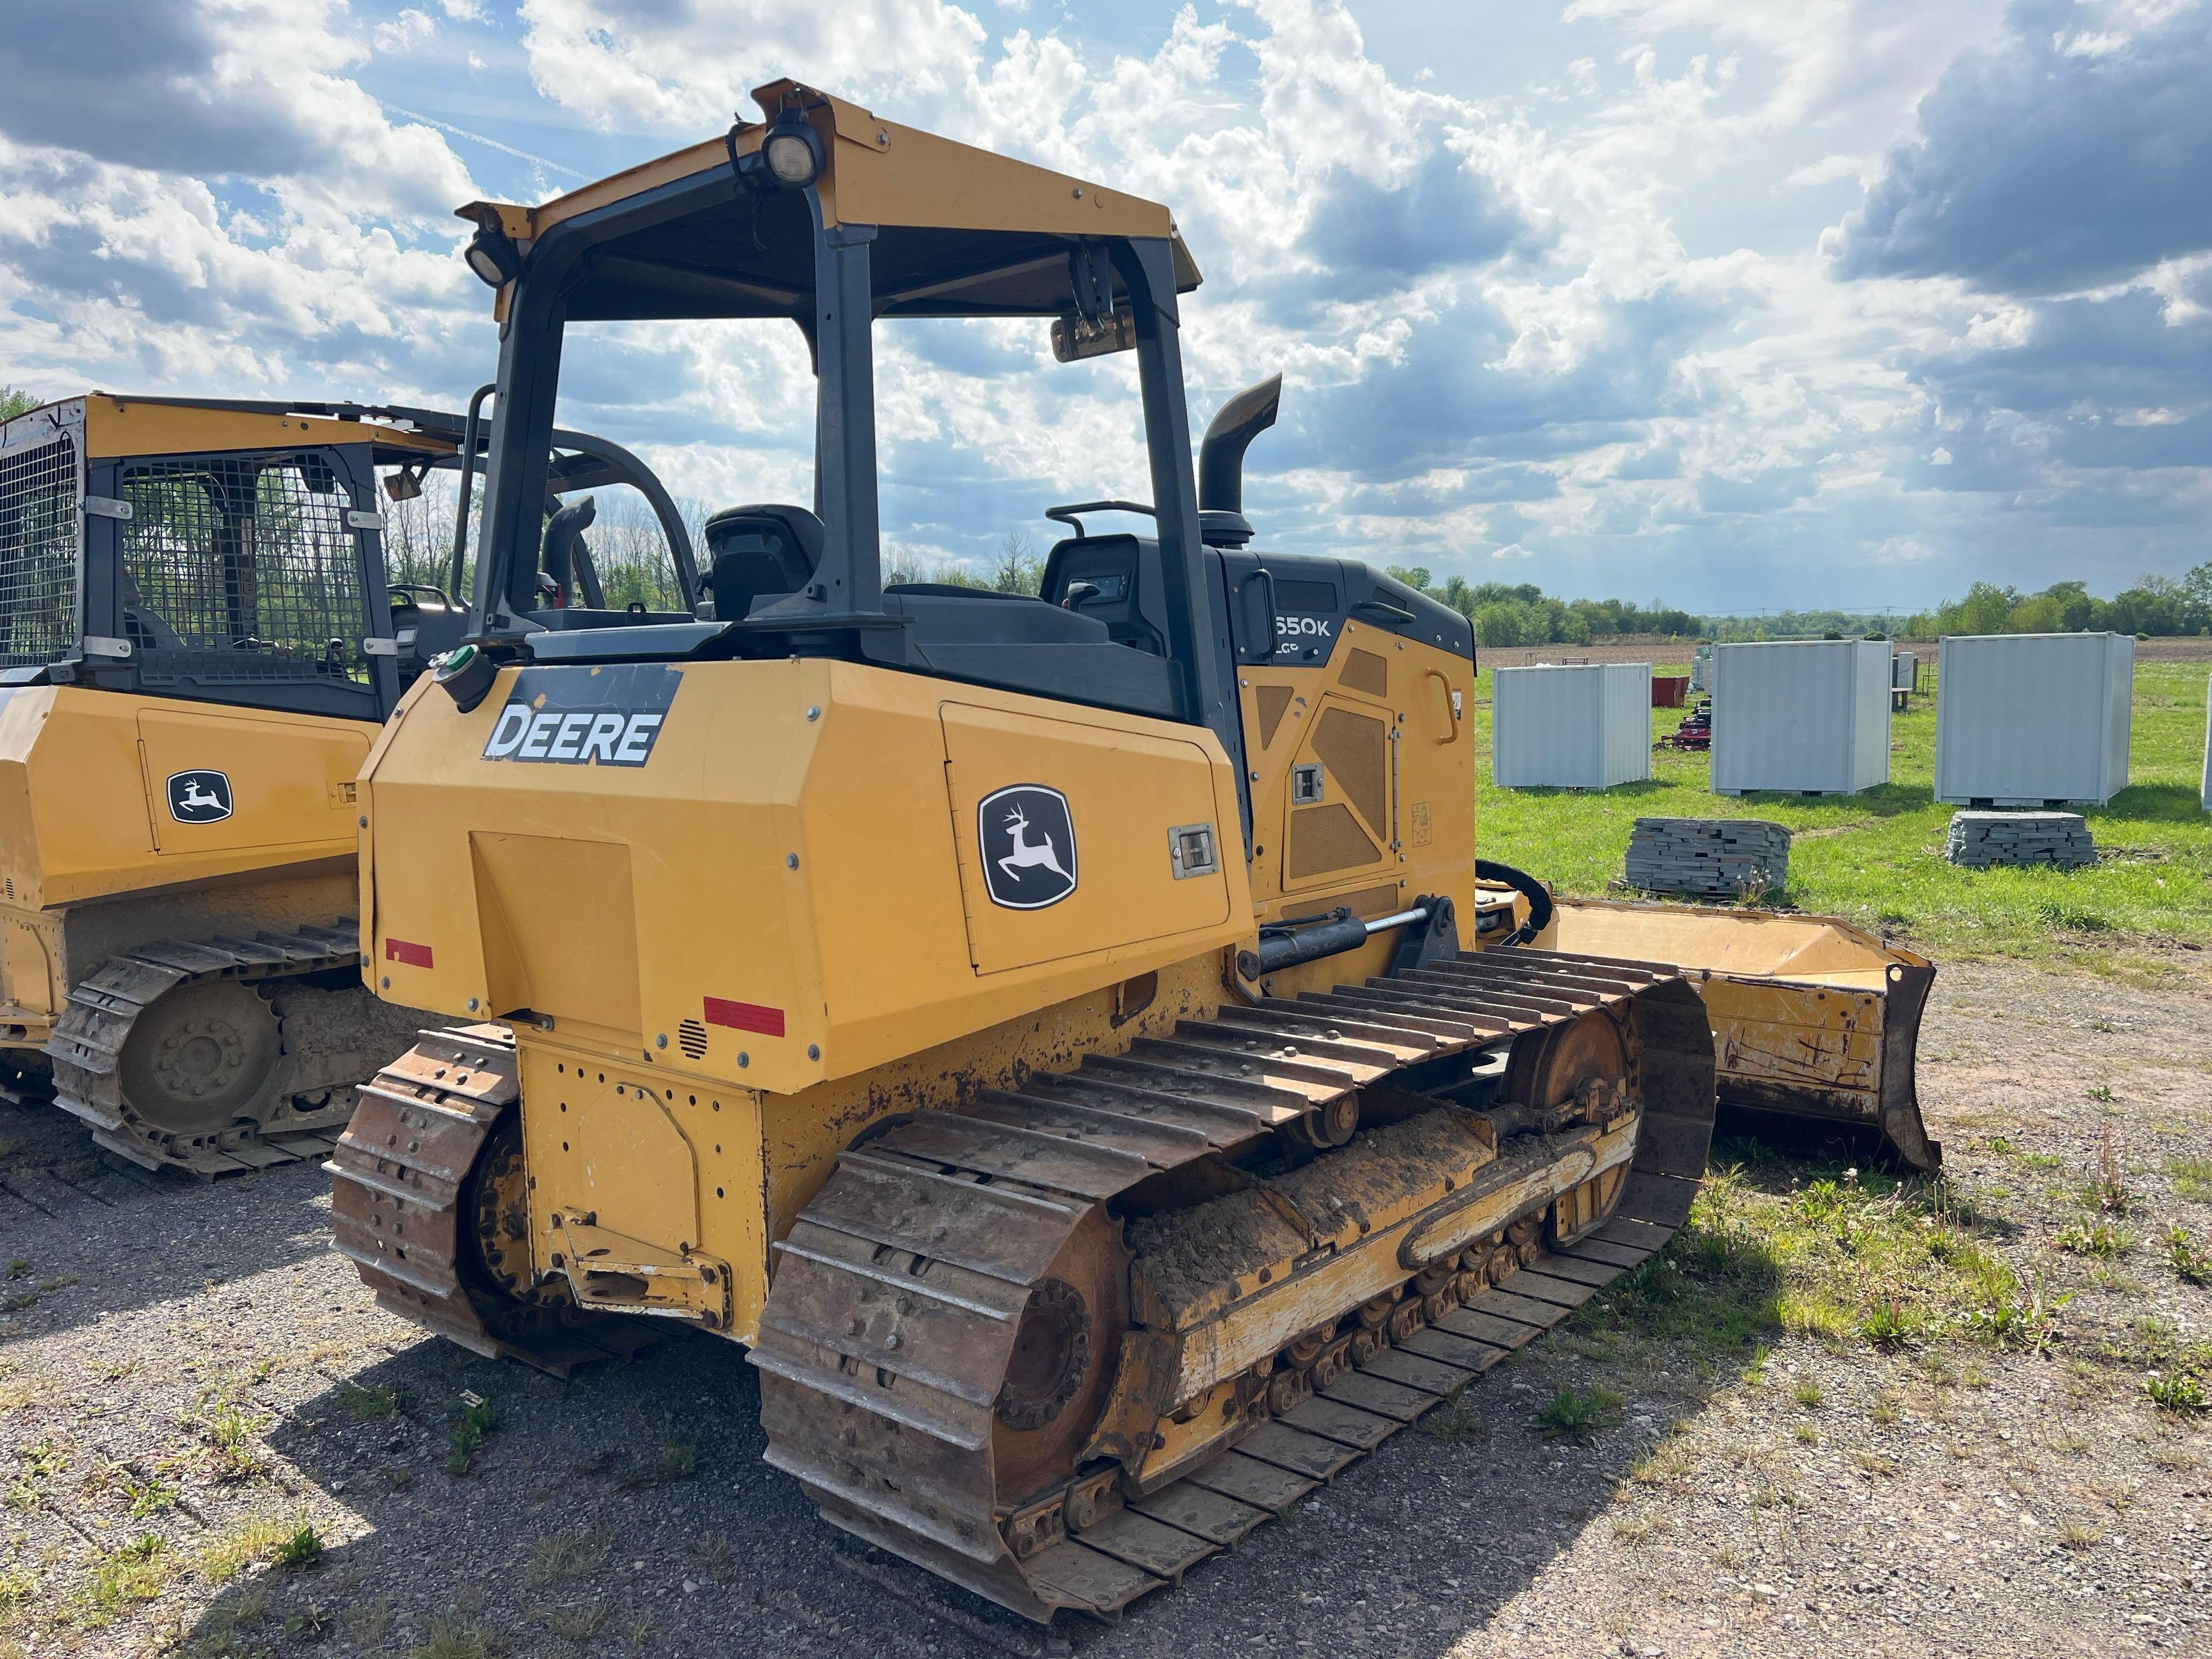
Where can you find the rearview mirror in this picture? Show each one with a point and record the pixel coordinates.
(1074, 339)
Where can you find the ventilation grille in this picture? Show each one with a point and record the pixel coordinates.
(241, 569)
(691, 1038)
(39, 526)
(1365, 671)
(1324, 839)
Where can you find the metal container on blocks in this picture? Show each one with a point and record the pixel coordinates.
(1571, 727)
(1808, 716)
(2033, 719)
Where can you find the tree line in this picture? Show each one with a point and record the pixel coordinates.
(2156, 606)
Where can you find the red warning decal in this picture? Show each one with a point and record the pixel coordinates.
(400, 950)
(745, 1017)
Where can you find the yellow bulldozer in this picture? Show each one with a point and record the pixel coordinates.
(1069, 1039)
(197, 642)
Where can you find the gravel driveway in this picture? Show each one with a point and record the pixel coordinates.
(187, 1375)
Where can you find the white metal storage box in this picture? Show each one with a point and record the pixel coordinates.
(2031, 720)
(1809, 715)
(1570, 727)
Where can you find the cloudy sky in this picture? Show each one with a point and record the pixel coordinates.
(1830, 302)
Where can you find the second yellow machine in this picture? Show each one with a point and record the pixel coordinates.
(1065, 1038)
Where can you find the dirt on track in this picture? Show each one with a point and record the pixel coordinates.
(196, 1354)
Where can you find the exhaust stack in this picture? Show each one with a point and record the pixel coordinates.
(1221, 461)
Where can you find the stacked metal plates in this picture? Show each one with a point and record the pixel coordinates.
(1708, 857)
(1979, 840)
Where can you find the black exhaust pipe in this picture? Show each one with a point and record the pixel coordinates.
(1221, 461)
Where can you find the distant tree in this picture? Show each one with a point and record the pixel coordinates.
(15, 400)
(1018, 570)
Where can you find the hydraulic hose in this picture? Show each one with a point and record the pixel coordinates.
(1539, 899)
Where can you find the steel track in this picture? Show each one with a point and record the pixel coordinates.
(87, 1047)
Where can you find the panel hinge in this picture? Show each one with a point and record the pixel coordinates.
(357, 519)
(374, 647)
(100, 644)
(106, 507)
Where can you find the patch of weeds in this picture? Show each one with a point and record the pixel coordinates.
(2098, 1238)
(2191, 1178)
(1807, 1435)
(2076, 1536)
(2179, 1392)
(2099, 1091)
(456, 1639)
(563, 1556)
(115, 1370)
(368, 1622)
(1891, 1324)
(477, 1421)
(2041, 1161)
(638, 1631)
(677, 1459)
(257, 1538)
(714, 1555)
(1640, 1527)
(227, 1428)
(147, 1496)
(1577, 1414)
(302, 1548)
(579, 1623)
(1669, 1462)
(1457, 1424)
(1887, 1407)
(1973, 1375)
(2072, 1442)
(366, 1405)
(399, 1479)
(1806, 1393)
(19, 1268)
(2190, 1261)
(2109, 1190)
(18, 1588)
(138, 1570)
(1874, 1462)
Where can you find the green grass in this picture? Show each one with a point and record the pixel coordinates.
(1876, 858)
(1817, 1249)
(1577, 1414)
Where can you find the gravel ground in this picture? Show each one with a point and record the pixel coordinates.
(191, 1363)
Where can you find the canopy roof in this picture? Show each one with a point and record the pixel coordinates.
(960, 231)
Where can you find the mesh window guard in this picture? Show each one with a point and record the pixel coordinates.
(39, 531)
(239, 569)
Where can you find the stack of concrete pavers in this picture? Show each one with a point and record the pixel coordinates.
(1978, 840)
(1708, 857)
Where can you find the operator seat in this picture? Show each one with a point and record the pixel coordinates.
(763, 550)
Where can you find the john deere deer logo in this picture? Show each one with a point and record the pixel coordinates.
(1027, 836)
(199, 797)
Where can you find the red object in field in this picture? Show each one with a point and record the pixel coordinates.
(1696, 731)
(1668, 691)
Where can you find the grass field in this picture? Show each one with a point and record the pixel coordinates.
(2145, 911)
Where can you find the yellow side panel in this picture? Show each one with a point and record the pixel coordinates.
(794, 908)
(1125, 793)
(84, 807)
(559, 932)
(284, 782)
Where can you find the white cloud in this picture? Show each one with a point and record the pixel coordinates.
(406, 32)
(1506, 333)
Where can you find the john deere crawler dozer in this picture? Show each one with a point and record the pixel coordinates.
(197, 643)
(1065, 1039)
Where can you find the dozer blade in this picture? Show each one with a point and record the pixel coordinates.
(1812, 1017)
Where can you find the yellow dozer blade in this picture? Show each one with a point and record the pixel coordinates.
(1812, 1017)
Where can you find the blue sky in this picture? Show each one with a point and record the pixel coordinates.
(1837, 302)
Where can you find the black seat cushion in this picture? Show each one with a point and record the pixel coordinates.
(766, 550)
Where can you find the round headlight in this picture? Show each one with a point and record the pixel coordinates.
(494, 257)
(791, 158)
